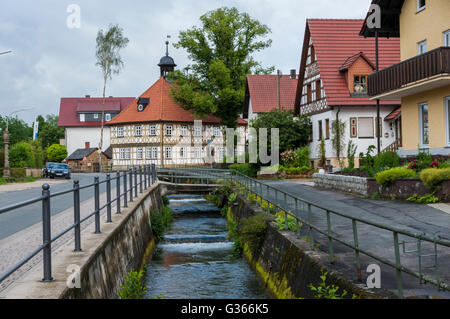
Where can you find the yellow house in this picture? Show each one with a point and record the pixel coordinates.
(422, 79)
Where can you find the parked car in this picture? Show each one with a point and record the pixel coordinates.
(47, 168)
(59, 170)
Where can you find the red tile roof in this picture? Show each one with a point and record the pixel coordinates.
(394, 114)
(349, 62)
(69, 108)
(337, 40)
(262, 90)
(162, 108)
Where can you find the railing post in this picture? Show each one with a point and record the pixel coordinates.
(131, 184)
(135, 182)
(330, 240)
(310, 225)
(140, 179)
(356, 244)
(76, 214)
(296, 219)
(145, 176)
(398, 265)
(125, 189)
(154, 174)
(118, 191)
(46, 234)
(108, 198)
(97, 205)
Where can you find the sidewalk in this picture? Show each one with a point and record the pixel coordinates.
(23, 186)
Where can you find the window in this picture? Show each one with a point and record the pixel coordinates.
(138, 130)
(108, 117)
(169, 152)
(197, 131)
(95, 115)
(183, 152)
(82, 118)
(447, 38)
(140, 153)
(365, 127)
(360, 84)
(422, 47)
(152, 130)
(216, 131)
(197, 152)
(120, 132)
(152, 152)
(221, 153)
(320, 131)
(124, 153)
(424, 130)
(184, 131)
(318, 90)
(420, 5)
(169, 129)
(327, 129)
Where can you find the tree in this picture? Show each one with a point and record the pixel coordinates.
(110, 62)
(56, 153)
(21, 155)
(221, 51)
(338, 139)
(49, 132)
(19, 131)
(294, 132)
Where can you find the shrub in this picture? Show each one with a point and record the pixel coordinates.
(289, 158)
(165, 200)
(387, 177)
(324, 291)
(441, 165)
(21, 155)
(18, 172)
(291, 222)
(161, 221)
(433, 177)
(133, 288)
(351, 151)
(56, 153)
(303, 157)
(253, 231)
(427, 199)
(386, 160)
(246, 169)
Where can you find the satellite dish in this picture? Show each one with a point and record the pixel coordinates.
(140, 107)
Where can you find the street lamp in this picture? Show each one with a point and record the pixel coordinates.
(5, 52)
(6, 170)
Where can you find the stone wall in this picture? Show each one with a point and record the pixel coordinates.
(350, 184)
(405, 188)
(288, 265)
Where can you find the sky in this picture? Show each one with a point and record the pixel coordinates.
(51, 60)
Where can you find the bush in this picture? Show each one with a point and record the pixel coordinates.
(253, 231)
(427, 199)
(133, 288)
(56, 153)
(386, 160)
(161, 221)
(246, 169)
(433, 177)
(303, 157)
(387, 177)
(21, 155)
(291, 222)
(289, 158)
(441, 165)
(18, 172)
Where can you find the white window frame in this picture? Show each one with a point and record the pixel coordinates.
(82, 118)
(183, 152)
(139, 153)
(184, 130)
(168, 152)
(217, 132)
(422, 144)
(138, 130)
(360, 122)
(96, 116)
(124, 153)
(107, 117)
(197, 152)
(197, 131)
(422, 47)
(152, 130)
(120, 132)
(447, 38)
(420, 8)
(169, 130)
(447, 118)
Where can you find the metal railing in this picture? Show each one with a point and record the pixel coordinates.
(137, 178)
(279, 201)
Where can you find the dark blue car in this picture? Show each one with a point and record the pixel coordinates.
(59, 170)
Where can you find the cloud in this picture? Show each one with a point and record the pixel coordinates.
(50, 61)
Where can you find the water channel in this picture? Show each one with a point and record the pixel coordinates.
(195, 259)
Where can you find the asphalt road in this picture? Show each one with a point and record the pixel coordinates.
(21, 218)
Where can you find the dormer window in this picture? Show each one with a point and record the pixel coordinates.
(95, 115)
(421, 4)
(82, 118)
(360, 84)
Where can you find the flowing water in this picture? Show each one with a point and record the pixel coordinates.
(195, 258)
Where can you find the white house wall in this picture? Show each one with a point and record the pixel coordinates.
(76, 137)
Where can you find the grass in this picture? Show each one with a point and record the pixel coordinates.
(28, 179)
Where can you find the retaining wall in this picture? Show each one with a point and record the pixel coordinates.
(350, 184)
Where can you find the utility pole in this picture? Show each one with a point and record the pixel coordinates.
(378, 130)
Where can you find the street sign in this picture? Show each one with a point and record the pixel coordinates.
(84, 159)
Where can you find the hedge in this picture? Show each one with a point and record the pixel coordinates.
(389, 176)
(433, 177)
(246, 169)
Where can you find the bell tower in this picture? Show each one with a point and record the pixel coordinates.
(166, 64)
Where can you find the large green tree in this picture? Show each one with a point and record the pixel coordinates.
(56, 153)
(49, 132)
(221, 51)
(294, 132)
(19, 131)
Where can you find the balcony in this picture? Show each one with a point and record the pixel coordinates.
(422, 73)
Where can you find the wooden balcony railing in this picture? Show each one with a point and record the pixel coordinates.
(409, 71)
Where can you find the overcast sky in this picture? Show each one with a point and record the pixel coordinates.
(50, 60)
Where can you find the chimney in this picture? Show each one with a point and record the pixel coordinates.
(293, 74)
(87, 96)
(87, 145)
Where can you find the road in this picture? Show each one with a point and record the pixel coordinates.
(25, 217)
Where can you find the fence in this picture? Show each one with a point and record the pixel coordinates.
(278, 200)
(135, 180)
